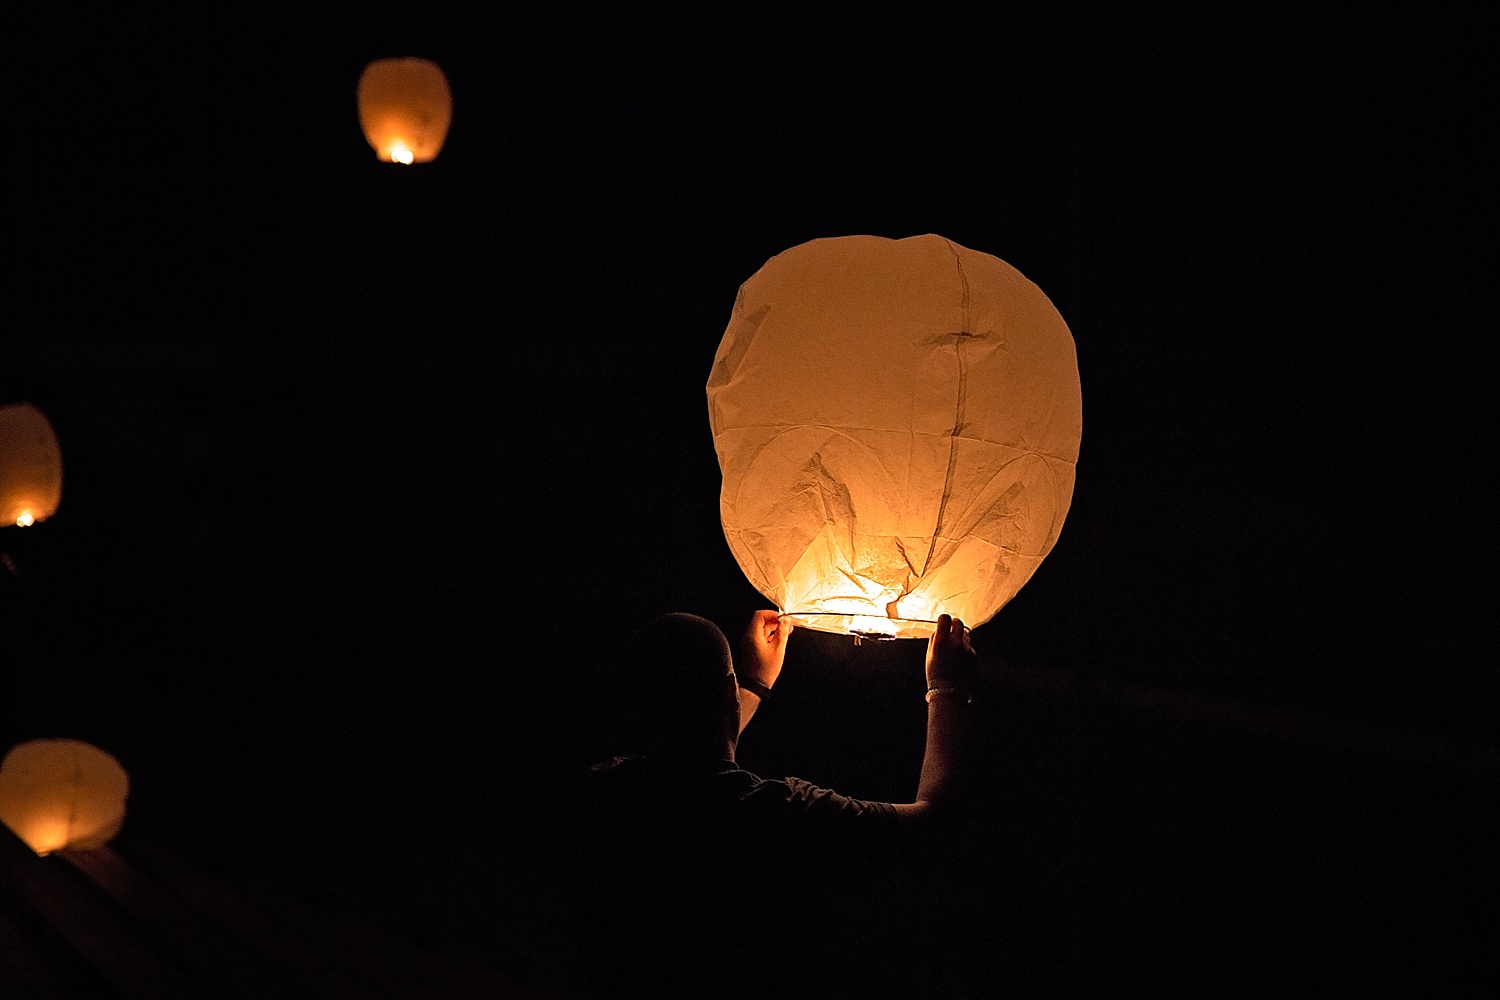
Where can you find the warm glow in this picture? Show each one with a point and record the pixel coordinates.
(868, 626)
(405, 109)
(62, 793)
(30, 466)
(44, 835)
(897, 423)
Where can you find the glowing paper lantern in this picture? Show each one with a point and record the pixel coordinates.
(30, 466)
(897, 423)
(405, 107)
(62, 793)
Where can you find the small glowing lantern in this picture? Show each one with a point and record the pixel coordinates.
(405, 107)
(897, 423)
(62, 793)
(30, 466)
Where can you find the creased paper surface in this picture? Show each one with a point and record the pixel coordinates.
(897, 424)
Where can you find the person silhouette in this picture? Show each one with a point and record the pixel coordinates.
(701, 879)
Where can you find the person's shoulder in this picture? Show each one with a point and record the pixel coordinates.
(616, 777)
(610, 765)
(805, 798)
(667, 774)
(609, 773)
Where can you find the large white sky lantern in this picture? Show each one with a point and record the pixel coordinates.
(897, 423)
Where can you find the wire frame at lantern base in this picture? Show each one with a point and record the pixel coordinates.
(848, 602)
(862, 626)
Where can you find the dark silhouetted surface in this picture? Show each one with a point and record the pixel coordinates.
(366, 465)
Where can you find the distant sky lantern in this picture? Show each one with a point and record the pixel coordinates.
(62, 793)
(405, 107)
(30, 466)
(897, 423)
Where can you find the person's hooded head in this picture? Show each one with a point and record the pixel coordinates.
(680, 674)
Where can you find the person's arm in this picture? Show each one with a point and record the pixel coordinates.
(758, 659)
(950, 678)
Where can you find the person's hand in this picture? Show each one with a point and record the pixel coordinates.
(762, 649)
(950, 658)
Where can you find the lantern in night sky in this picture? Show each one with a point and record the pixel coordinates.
(30, 466)
(897, 423)
(405, 107)
(62, 793)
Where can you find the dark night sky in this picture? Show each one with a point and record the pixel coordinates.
(366, 464)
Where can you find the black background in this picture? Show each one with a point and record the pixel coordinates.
(368, 467)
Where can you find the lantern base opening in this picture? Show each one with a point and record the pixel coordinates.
(862, 626)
